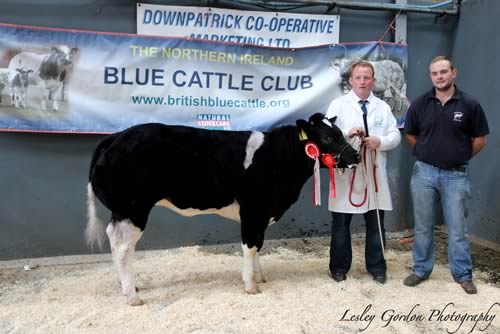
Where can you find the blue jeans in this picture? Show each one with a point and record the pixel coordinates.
(432, 186)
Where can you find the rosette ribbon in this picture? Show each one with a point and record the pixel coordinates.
(312, 151)
(329, 161)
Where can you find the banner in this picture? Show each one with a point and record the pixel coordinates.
(236, 26)
(80, 81)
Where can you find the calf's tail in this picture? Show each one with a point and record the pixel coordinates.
(95, 233)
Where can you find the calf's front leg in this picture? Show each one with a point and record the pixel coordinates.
(249, 270)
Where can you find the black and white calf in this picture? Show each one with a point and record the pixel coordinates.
(250, 177)
(18, 81)
(28, 60)
(53, 72)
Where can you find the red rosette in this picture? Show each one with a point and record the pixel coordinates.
(328, 160)
(312, 150)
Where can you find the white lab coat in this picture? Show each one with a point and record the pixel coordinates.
(382, 124)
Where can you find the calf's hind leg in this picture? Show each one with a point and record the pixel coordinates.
(123, 236)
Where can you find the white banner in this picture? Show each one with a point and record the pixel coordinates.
(283, 30)
(58, 80)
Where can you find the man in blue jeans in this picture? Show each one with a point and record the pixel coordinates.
(446, 128)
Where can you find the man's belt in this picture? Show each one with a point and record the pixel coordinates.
(461, 168)
(458, 169)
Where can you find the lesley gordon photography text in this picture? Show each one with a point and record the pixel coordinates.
(454, 320)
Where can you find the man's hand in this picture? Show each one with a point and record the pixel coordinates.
(477, 144)
(371, 143)
(411, 139)
(356, 132)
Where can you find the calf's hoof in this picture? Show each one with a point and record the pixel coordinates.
(253, 290)
(135, 301)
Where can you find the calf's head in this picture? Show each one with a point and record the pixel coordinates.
(23, 76)
(329, 139)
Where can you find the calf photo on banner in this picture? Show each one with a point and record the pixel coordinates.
(54, 80)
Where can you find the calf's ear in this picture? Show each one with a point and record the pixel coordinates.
(316, 118)
(302, 124)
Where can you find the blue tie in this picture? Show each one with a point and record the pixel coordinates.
(365, 112)
(363, 106)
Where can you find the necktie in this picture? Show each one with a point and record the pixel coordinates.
(365, 111)
(363, 106)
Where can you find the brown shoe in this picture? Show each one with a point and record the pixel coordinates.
(469, 287)
(413, 280)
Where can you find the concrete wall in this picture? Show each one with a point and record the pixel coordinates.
(475, 53)
(43, 176)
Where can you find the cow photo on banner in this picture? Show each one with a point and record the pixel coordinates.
(390, 79)
(54, 80)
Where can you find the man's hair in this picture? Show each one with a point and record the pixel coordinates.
(363, 63)
(439, 58)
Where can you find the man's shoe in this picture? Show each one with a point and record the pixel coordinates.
(469, 287)
(379, 277)
(339, 277)
(413, 280)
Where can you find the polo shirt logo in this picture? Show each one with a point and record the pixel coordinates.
(457, 116)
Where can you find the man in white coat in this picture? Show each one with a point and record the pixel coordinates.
(366, 121)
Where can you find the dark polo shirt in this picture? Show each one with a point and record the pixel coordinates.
(444, 132)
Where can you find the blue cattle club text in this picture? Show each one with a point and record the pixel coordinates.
(203, 79)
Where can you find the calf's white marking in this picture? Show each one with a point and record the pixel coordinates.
(231, 211)
(255, 141)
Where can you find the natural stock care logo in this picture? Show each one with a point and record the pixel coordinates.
(457, 116)
(214, 121)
